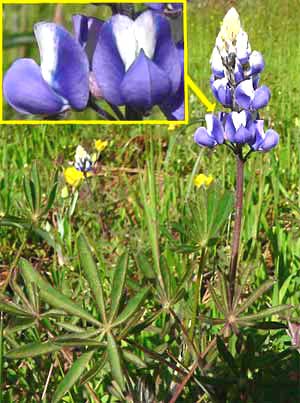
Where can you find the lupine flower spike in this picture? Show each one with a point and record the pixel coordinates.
(235, 84)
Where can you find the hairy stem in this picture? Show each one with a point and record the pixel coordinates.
(1, 357)
(237, 222)
(197, 293)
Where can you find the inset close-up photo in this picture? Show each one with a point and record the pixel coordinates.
(107, 62)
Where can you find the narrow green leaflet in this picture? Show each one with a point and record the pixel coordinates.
(37, 185)
(115, 360)
(92, 274)
(263, 314)
(132, 306)
(54, 297)
(72, 376)
(118, 285)
(14, 309)
(255, 295)
(226, 355)
(94, 371)
(32, 350)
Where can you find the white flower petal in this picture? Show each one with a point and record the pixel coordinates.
(145, 33)
(124, 32)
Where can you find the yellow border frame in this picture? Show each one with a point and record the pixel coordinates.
(96, 122)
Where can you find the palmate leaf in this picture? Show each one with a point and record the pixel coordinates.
(72, 376)
(92, 274)
(118, 285)
(54, 297)
(219, 206)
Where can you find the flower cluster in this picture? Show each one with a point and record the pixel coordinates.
(235, 84)
(133, 62)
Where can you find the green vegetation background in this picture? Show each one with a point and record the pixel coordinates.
(272, 204)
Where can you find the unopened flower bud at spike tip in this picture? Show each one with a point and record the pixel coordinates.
(231, 24)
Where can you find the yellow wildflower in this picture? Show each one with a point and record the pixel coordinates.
(73, 177)
(100, 145)
(173, 127)
(203, 180)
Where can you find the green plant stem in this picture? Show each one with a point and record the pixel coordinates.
(1, 357)
(197, 292)
(240, 161)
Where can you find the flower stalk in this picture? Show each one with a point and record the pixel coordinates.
(237, 223)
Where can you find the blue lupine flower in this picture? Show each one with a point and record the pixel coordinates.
(252, 99)
(264, 141)
(60, 83)
(173, 106)
(86, 31)
(136, 62)
(83, 161)
(256, 62)
(212, 135)
(222, 92)
(239, 128)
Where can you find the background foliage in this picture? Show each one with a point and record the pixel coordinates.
(257, 365)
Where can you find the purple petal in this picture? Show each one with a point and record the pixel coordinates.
(145, 84)
(256, 62)
(243, 94)
(222, 92)
(26, 91)
(243, 136)
(261, 97)
(255, 81)
(64, 65)
(108, 66)
(259, 134)
(238, 72)
(202, 138)
(270, 141)
(173, 106)
(217, 131)
(165, 55)
(216, 63)
(229, 129)
(86, 31)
